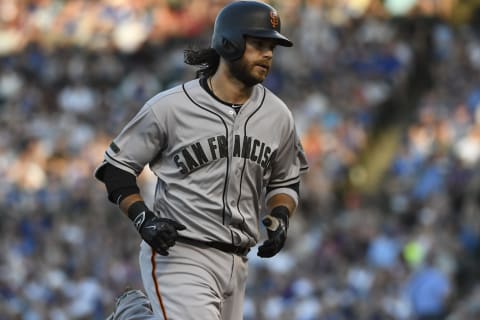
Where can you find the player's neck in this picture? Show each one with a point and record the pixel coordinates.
(229, 89)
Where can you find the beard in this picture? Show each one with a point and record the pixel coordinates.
(242, 71)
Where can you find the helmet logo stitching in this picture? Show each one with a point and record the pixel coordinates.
(274, 21)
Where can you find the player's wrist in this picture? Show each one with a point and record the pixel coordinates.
(138, 212)
(282, 213)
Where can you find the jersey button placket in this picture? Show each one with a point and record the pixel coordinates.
(236, 126)
(231, 180)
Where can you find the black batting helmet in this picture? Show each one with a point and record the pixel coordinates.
(245, 18)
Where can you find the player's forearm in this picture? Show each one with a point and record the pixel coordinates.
(282, 199)
(128, 201)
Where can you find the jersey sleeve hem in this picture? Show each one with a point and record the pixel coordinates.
(284, 183)
(120, 165)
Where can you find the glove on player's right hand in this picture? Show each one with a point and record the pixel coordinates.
(277, 225)
(159, 233)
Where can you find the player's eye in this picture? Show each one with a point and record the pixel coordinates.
(256, 43)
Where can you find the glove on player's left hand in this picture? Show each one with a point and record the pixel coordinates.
(277, 224)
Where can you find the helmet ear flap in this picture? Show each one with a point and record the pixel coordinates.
(229, 50)
(227, 45)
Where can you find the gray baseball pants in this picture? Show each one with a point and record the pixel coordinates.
(194, 282)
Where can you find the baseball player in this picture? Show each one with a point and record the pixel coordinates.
(219, 145)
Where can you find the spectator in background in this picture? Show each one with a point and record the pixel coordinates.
(429, 291)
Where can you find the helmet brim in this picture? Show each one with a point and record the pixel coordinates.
(279, 38)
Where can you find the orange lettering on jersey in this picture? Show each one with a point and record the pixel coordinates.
(274, 21)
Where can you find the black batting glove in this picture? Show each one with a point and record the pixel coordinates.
(277, 224)
(159, 233)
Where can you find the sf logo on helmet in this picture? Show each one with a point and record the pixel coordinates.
(274, 21)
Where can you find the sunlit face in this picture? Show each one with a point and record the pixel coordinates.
(256, 61)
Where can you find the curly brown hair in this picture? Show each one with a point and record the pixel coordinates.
(206, 59)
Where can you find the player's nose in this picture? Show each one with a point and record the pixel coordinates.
(267, 53)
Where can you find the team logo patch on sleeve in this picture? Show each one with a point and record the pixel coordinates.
(114, 147)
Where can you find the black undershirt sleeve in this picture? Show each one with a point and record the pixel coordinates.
(119, 183)
(294, 186)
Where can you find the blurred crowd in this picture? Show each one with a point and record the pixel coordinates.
(73, 72)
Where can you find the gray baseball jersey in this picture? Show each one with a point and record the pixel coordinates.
(212, 164)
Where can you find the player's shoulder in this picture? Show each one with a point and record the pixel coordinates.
(273, 101)
(171, 94)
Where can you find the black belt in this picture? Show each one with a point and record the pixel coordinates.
(222, 246)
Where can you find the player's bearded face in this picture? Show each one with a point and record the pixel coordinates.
(242, 70)
(255, 63)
